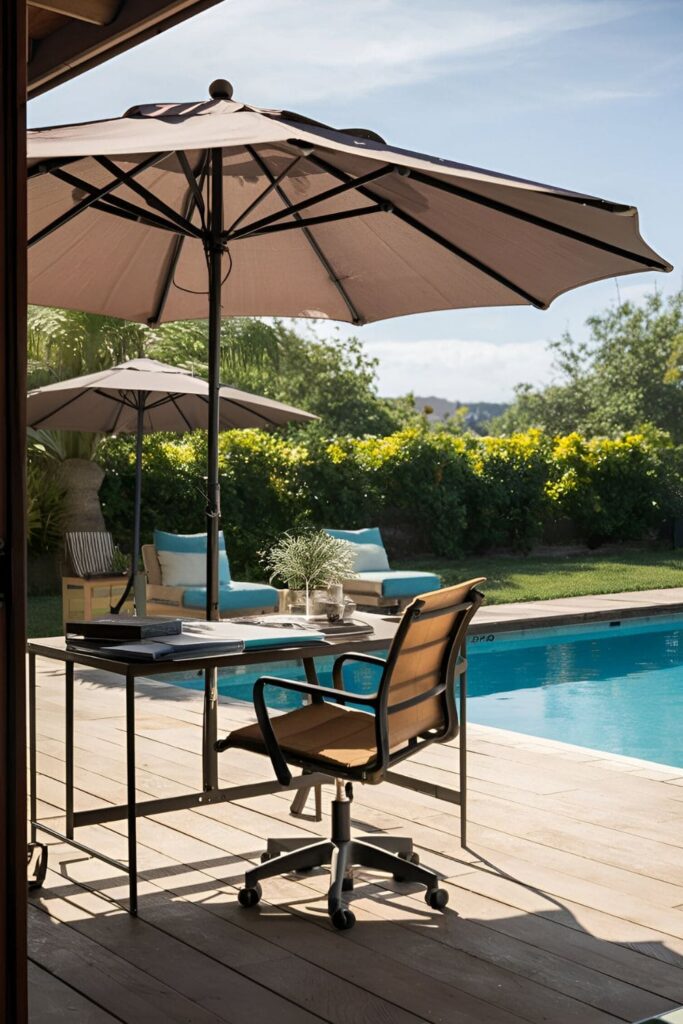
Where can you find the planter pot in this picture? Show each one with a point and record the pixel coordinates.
(82, 479)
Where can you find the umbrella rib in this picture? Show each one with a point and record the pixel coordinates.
(263, 195)
(191, 177)
(192, 202)
(439, 239)
(46, 166)
(322, 258)
(64, 405)
(531, 218)
(149, 197)
(120, 208)
(115, 205)
(324, 218)
(246, 408)
(119, 410)
(68, 215)
(255, 226)
(182, 414)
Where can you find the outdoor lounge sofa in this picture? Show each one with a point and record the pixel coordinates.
(175, 565)
(376, 584)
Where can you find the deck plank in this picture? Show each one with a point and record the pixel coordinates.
(570, 897)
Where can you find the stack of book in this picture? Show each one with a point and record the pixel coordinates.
(135, 638)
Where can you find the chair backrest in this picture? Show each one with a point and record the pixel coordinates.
(150, 560)
(417, 689)
(90, 553)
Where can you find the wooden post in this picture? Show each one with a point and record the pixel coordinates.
(13, 274)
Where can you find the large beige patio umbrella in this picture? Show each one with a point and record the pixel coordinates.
(181, 210)
(145, 396)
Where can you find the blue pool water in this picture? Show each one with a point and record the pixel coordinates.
(617, 688)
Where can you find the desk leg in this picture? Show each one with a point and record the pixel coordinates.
(69, 743)
(33, 767)
(131, 795)
(210, 730)
(463, 758)
(301, 796)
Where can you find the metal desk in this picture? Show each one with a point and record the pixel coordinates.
(55, 649)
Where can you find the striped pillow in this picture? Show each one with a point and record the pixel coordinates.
(90, 553)
(182, 557)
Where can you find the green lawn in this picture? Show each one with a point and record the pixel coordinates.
(45, 615)
(509, 578)
(536, 578)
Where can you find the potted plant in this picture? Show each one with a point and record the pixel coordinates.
(309, 561)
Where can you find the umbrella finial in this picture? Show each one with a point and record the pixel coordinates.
(220, 89)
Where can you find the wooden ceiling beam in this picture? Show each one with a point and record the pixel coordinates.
(78, 46)
(94, 12)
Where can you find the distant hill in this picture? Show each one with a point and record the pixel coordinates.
(478, 413)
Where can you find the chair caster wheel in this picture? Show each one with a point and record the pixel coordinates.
(411, 858)
(266, 856)
(437, 899)
(343, 919)
(250, 896)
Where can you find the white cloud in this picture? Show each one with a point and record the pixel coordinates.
(321, 48)
(466, 371)
(310, 51)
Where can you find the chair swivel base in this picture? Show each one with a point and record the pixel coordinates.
(343, 854)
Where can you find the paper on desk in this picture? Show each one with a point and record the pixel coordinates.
(254, 637)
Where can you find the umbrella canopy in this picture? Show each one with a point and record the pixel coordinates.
(316, 222)
(169, 399)
(176, 210)
(143, 396)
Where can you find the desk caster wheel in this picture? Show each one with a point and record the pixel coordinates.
(250, 896)
(343, 920)
(437, 899)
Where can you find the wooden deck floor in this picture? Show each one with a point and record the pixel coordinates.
(567, 907)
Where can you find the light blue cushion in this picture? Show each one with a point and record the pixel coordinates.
(402, 583)
(371, 535)
(369, 558)
(191, 544)
(234, 596)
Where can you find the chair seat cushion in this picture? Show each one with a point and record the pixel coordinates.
(322, 732)
(395, 583)
(234, 596)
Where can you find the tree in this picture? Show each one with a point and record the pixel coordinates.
(627, 375)
(333, 378)
(247, 345)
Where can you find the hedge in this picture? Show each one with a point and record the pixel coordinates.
(430, 492)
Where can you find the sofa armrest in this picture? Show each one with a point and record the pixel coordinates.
(172, 596)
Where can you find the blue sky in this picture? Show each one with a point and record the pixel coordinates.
(585, 94)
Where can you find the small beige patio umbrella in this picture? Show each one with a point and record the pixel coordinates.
(145, 396)
(182, 210)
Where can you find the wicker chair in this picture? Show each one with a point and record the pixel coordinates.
(413, 707)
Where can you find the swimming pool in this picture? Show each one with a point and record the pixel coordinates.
(616, 687)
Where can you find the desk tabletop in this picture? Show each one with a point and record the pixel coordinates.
(384, 628)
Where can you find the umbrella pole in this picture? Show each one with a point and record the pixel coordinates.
(213, 508)
(135, 553)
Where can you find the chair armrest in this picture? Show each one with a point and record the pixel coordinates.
(321, 691)
(282, 772)
(337, 676)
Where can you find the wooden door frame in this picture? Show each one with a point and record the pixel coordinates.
(13, 280)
